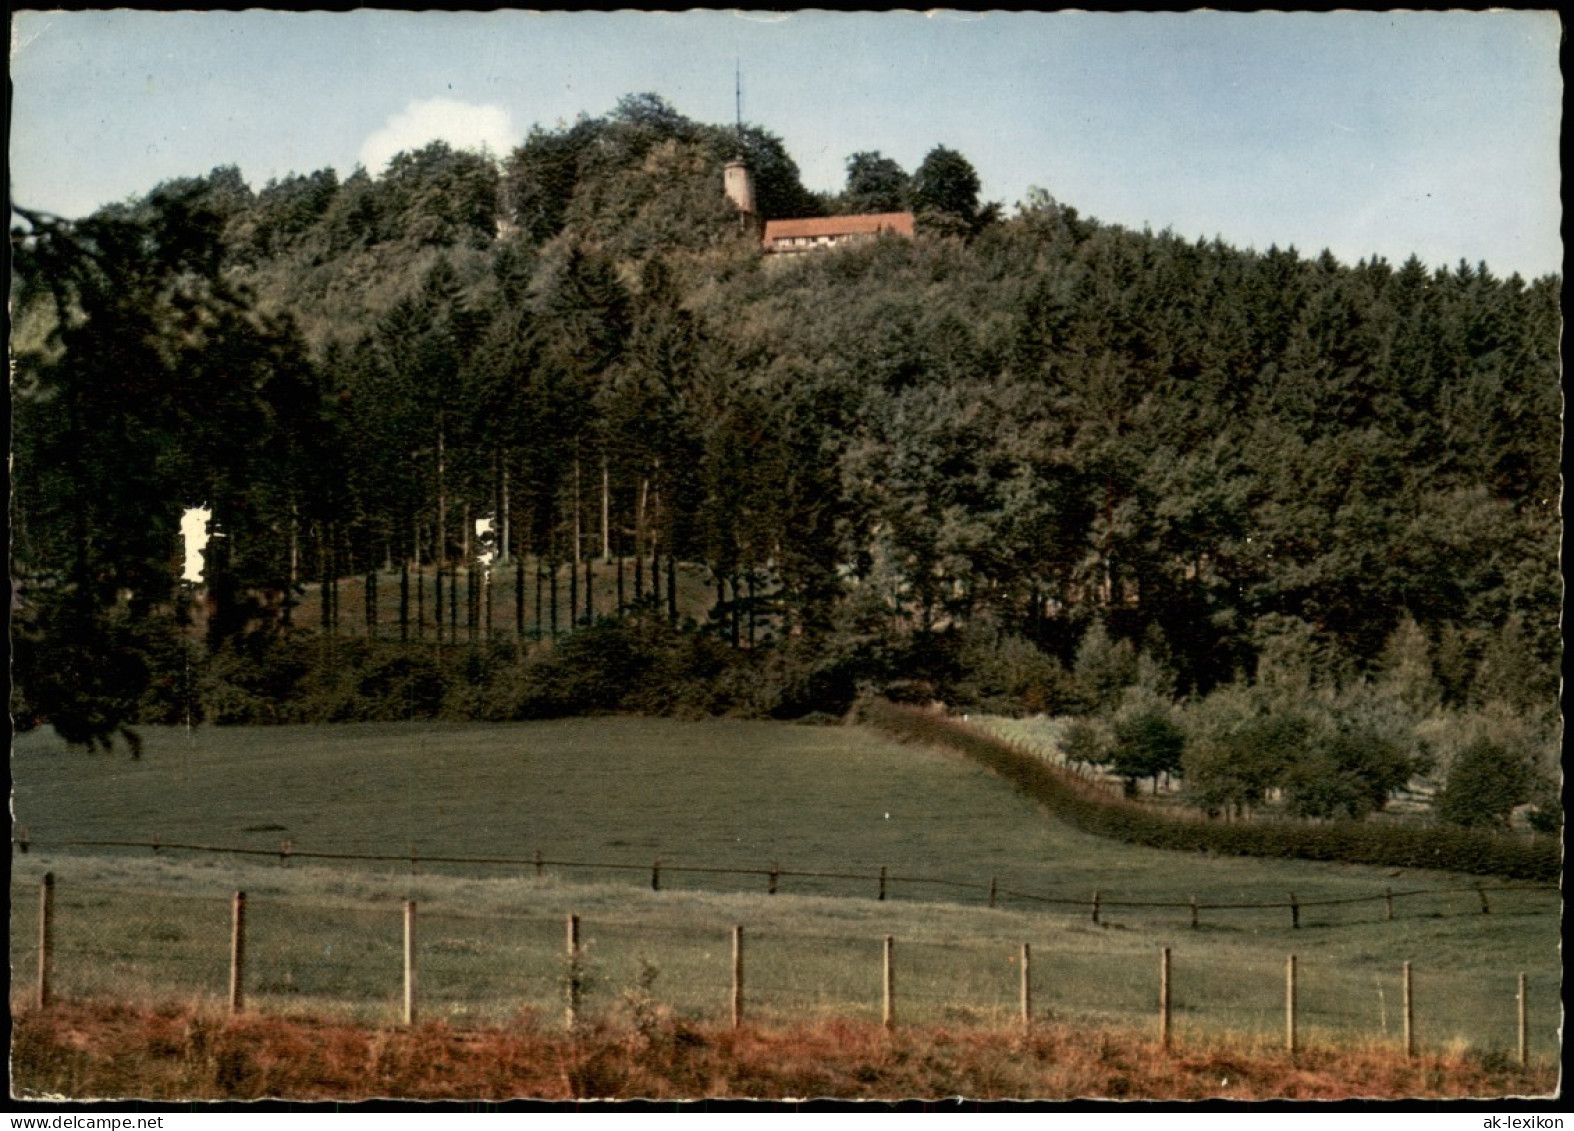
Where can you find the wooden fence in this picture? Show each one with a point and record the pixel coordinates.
(733, 991)
(881, 884)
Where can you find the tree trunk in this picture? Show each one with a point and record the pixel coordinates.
(333, 580)
(573, 579)
(640, 534)
(453, 603)
(506, 519)
(404, 600)
(437, 600)
(655, 578)
(519, 596)
(552, 586)
(606, 511)
(497, 505)
(472, 600)
(442, 506)
(574, 557)
(295, 562)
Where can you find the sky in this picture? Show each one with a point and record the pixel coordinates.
(1365, 133)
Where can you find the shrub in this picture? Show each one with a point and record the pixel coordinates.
(689, 675)
(1406, 669)
(1005, 674)
(173, 693)
(258, 678)
(1086, 743)
(810, 682)
(1488, 781)
(1104, 668)
(1510, 671)
(1546, 811)
(399, 685)
(1147, 744)
(1349, 773)
(1239, 749)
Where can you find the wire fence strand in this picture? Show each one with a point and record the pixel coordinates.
(886, 883)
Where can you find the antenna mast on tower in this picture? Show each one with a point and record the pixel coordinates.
(735, 178)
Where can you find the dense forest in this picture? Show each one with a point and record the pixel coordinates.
(1282, 525)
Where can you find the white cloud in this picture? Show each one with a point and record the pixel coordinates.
(463, 125)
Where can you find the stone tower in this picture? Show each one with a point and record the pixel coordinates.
(739, 186)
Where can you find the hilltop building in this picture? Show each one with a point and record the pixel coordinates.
(816, 233)
(810, 233)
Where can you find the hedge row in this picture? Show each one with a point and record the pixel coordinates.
(1088, 808)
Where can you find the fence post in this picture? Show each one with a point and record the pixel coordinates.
(1486, 908)
(284, 854)
(238, 953)
(888, 998)
(655, 876)
(539, 870)
(1524, 1032)
(571, 1015)
(1409, 1007)
(882, 882)
(991, 891)
(771, 886)
(409, 962)
(1388, 898)
(46, 938)
(737, 976)
(1095, 908)
(1027, 988)
(1194, 913)
(1289, 1006)
(1164, 999)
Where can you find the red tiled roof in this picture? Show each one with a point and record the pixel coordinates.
(832, 226)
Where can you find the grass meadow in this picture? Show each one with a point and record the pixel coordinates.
(326, 937)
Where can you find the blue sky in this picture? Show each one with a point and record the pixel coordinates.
(1365, 133)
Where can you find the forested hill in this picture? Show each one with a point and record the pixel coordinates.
(1019, 427)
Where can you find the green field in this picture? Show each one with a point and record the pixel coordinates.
(720, 794)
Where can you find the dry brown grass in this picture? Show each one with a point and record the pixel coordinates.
(101, 1050)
